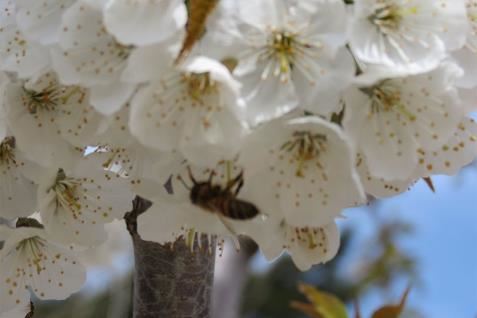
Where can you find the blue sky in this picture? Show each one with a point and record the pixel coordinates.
(445, 243)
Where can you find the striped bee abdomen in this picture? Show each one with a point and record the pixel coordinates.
(239, 210)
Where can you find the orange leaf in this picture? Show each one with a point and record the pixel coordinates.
(393, 311)
(429, 183)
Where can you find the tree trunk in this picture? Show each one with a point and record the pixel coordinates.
(170, 282)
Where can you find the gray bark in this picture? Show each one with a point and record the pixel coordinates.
(169, 282)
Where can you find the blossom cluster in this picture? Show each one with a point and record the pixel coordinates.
(290, 110)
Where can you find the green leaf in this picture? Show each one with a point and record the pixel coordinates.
(325, 304)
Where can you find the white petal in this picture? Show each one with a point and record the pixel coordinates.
(109, 98)
(142, 23)
(40, 20)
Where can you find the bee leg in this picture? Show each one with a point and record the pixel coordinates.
(234, 181)
(191, 176)
(211, 176)
(239, 187)
(179, 177)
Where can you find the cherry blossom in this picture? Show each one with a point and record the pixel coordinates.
(135, 22)
(407, 36)
(75, 204)
(17, 54)
(301, 169)
(30, 261)
(290, 56)
(459, 151)
(390, 120)
(92, 61)
(40, 20)
(467, 56)
(194, 109)
(17, 191)
(307, 246)
(47, 115)
(3, 120)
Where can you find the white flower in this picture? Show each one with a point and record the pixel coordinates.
(379, 187)
(141, 23)
(17, 54)
(467, 56)
(307, 246)
(17, 192)
(392, 119)
(46, 115)
(289, 57)
(302, 170)
(114, 130)
(29, 260)
(75, 205)
(136, 163)
(407, 36)
(3, 120)
(92, 57)
(471, 6)
(194, 109)
(119, 244)
(40, 20)
(459, 151)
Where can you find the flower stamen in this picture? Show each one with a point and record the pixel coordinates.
(7, 147)
(388, 16)
(387, 98)
(33, 247)
(199, 85)
(45, 100)
(305, 147)
(65, 188)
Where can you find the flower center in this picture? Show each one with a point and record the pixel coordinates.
(33, 247)
(65, 188)
(282, 46)
(7, 147)
(287, 50)
(199, 85)
(48, 99)
(388, 16)
(386, 97)
(45, 100)
(304, 147)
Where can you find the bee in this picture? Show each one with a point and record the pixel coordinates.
(221, 200)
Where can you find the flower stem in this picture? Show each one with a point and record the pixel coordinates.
(170, 280)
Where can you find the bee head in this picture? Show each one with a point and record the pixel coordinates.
(194, 194)
(203, 191)
(199, 192)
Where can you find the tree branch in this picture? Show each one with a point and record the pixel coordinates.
(169, 280)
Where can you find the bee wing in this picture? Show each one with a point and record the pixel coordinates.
(234, 235)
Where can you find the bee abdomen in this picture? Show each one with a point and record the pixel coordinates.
(240, 210)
